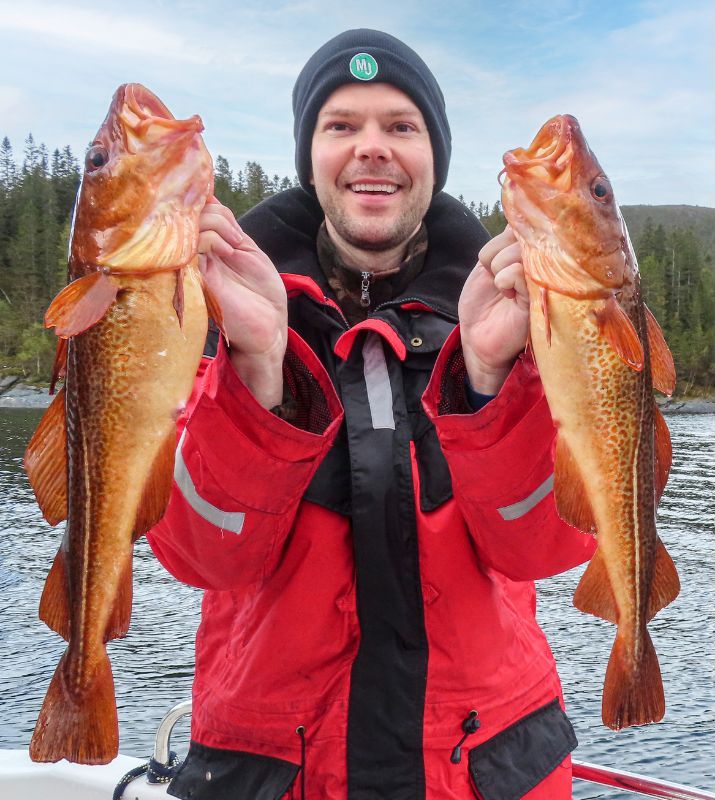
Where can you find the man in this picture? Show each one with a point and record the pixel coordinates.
(368, 625)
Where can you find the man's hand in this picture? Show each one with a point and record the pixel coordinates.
(494, 313)
(252, 298)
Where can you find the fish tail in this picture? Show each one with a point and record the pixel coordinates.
(79, 726)
(632, 697)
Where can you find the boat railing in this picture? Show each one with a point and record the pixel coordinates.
(614, 778)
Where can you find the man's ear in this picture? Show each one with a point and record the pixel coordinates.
(310, 178)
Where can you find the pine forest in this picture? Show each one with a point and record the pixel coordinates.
(674, 245)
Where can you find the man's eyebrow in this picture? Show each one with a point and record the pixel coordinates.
(349, 113)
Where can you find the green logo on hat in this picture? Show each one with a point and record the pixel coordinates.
(363, 67)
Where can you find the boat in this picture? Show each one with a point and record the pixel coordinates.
(134, 779)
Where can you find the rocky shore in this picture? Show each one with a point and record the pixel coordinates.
(14, 394)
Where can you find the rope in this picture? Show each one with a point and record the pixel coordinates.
(156, 772)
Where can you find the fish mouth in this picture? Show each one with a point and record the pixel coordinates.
(548, 158)
(141, 114)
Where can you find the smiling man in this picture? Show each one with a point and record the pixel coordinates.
(363, 479)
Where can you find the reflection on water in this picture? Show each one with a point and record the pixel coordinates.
(153, 666)
(680, 748)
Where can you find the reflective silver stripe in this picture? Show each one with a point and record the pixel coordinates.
(377, 380)
(226, 520)
(516, 510)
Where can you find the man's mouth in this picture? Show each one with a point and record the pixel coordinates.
(373, 188)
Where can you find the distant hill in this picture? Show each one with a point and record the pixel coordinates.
(700, 218)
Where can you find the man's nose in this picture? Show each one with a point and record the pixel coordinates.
(373, 145)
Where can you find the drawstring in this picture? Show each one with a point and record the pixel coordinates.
(300, 730)
(366, 278)
(470, 725)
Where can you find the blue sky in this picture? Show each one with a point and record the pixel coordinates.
(639, 76)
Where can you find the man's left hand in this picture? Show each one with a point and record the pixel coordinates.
(494, 313)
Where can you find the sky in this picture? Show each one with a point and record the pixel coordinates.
(638, 74)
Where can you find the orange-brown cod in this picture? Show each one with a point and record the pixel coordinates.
(132, 324)
(600, 353)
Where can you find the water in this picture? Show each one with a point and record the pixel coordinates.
(153, 666)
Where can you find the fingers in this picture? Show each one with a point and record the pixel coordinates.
(213, 219)
(494, 246)
(211, 242)
(511, 254)
(511, 283)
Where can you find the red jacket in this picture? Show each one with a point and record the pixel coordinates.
(288, 669)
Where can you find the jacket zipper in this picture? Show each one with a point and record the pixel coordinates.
(366, 279)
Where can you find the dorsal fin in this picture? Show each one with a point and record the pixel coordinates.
(45, 461)
(663, 450)
(661, 359)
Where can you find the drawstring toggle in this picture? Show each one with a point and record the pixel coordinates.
(470, 725)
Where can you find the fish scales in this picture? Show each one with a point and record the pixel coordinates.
(134, 319)
(592, 336)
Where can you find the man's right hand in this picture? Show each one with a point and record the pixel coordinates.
(253, 301)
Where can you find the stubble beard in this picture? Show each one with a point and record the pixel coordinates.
(373, 235)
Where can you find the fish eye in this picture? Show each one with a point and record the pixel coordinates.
(601, 189)
(97, 156)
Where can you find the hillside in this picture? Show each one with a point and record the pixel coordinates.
(700, 218)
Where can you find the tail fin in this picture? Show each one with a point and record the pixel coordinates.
(82, 728)
(632, 697)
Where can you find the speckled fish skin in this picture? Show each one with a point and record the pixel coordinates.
(587, 320)
(128, 377)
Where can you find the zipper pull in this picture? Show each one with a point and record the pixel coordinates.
(366, 278)
(470, 725)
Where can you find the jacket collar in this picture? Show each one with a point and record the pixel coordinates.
(286, 227)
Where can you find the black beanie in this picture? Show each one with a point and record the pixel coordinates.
(359, 56)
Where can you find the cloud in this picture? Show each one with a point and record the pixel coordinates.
(10, 100)
(69, 27)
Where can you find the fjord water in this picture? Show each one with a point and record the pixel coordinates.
(153, 666)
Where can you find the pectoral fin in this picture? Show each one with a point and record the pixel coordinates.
(45, 461)
(59, 367)
(620, 333)
(81, 304)
(661, 359)
(569, 492)
(178, 301)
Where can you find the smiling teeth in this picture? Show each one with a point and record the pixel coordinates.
(374, 187)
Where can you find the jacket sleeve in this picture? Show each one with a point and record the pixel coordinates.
(240, 472)
(501, 462)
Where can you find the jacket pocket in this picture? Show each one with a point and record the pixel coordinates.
(513, 762)
(209, 773)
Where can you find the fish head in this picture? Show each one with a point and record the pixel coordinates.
(559, 202)
(146, 178)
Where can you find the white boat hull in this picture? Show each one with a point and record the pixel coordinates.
(23, 779)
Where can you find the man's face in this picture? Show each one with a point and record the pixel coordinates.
(373, 169)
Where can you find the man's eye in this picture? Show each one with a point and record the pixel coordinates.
(339, 127)
(404, 127)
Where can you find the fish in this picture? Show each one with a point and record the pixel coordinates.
(131, 323)
(600, 353)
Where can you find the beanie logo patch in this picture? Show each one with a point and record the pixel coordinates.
(363, 67)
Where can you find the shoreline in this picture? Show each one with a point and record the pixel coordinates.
(14, 394)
